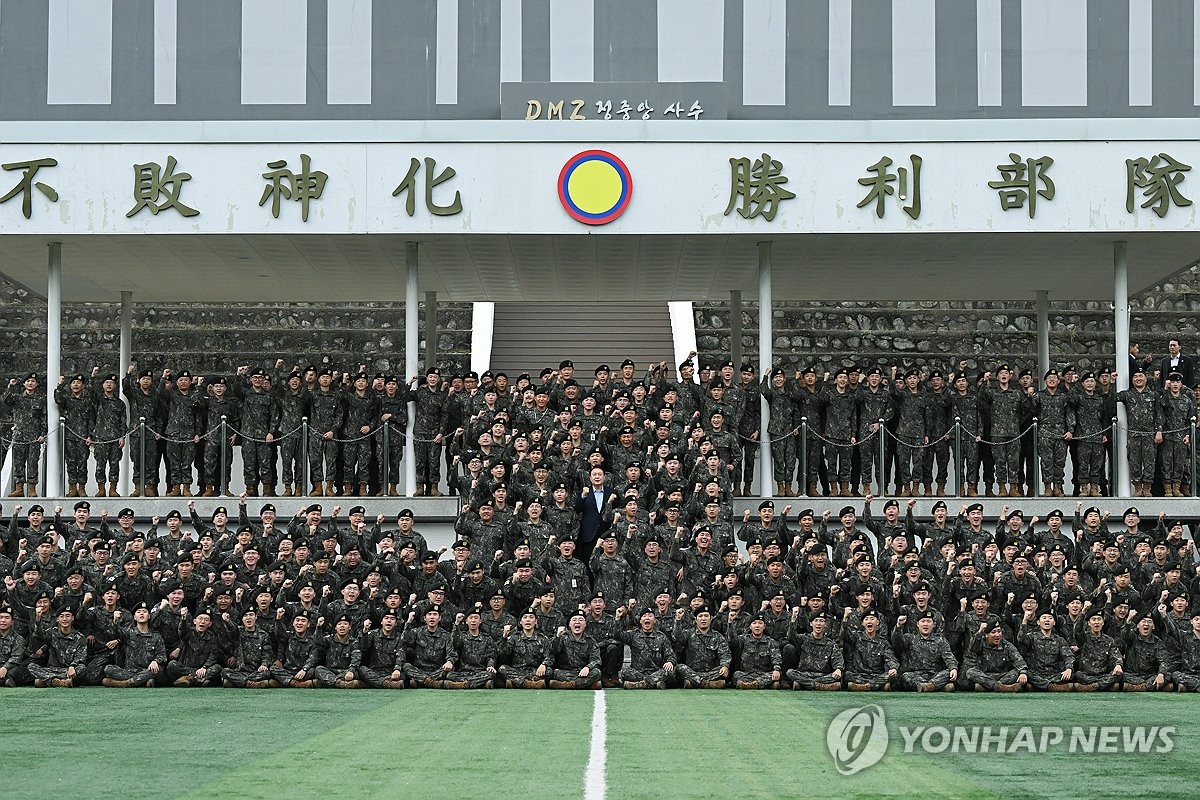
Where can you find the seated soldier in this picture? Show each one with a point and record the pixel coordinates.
(651, 656)
(526, 653)
(66, 651)
(870, 665)
(428, 650)
(575, 656)
(926, 662)
(1049, 658)
(1098, 662)
(13, 661)
(145, 653)
(383, 655)
(197, 660)
(340, 657)
(475, 655)
(759, 658)
(297, 653)
(253, 653)
(994, 664)
(819, 661)
(705, 657)
(1186, 674)
(1146, 662)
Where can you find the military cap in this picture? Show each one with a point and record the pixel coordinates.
(1132, 510)
(174, 514)
(130, 558)
(1120, 569)
(890, 504)
(1175, 376)
(841, 371)
(846, 510)
(975, 507)
(265, 508)
(912, 372)
(627, 363)
(74, 570)
(405, 512)
(522, 562)
(939, 504)
(429, 555)
(1090, 510)
(6, 609)
(303, 614)
(153, 543)
(873, 371)
(870, 613)
(978, 594)
(994, 625)
(83, 505)
(926, 614)
(1055, 514)
(1004, 368)
(36, 507)
(1016, 512)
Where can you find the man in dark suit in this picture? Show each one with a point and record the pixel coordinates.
(595, 508)
(1175, 361)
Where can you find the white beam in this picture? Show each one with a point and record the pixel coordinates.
(122, 369)
(765, 359)
(1121, 486)
(410, 360)
(53, 454)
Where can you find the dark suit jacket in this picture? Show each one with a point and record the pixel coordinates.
(1185, 368)
(592, 522)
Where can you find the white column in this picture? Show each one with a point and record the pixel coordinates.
(122, 369)
(735, 329)
(765, 358)
(431, 333)
(53, 455)
(1043, 331)
(410, 359)
(1121, 486)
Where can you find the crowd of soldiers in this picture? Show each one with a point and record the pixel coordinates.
(828, 432)
(597, 547)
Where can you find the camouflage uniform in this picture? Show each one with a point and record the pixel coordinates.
(938, 453)
(361, 412)
(1055, 413)
(749, 424)
(1004, 406)
(382, 655)
(923, 660)
(29, 424)
(649, 652)
(989, 665)
(110, 423)
(430, 422)
(568, 656)
(64, 651)
(296, 653)
(1185, 662)
(701, 656)
(260, 415)
(145, 405)
(872, 407)
(140, 649)
(253, 654)
(524, 654)
(965, 407)
(817, 658)
(1177, 413)
(870, 658)
(338, 657)
(217, 475)
(1093, 415)
(397, 431)
(1094, 663)
(1144, 418)
(185, 414)
(79, 412)
(914, 422)
(328, 415)
(196, 652)
(1146, 657)
(293, 408)
(841, 425)
(1047, 657)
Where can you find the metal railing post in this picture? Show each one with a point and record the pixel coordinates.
(1035, 468)
(62, 448)
(802, 489)
(222, 484)
(386, 460)
(305, 483)
(882, 456)
(142, 455)
(1192, 441)
(958, 454)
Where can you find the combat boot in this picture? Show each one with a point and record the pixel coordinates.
(187, 490)
(435, 492)
(112, 490)
(317, 490)
(269, 490)
(151, 490)
(941, 489)
(18, 490)
(362, 490)
(329, 489)
(287, 490)
(393, 491)
(209, 491)
(100, 491)
(174, 490)
(252, 489)
(136, 492)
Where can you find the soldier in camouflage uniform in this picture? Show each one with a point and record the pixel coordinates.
(760, 661)
(526, 653)
(220, 403)
(28, 433)
(818, 654)
(259, 423)
(871, 663)
(1055, 412)
(328, 415)
(144, 651)
(705, 658)
(1147, 659)
(200, 653)
(340, 658)
(940, 434)
(1178, 408)
(749, 427)
(965, 408)
(841, 427)
(13, 662)
(1098, 664)
(184, 408)
(76, 407)
(782, 397)
(874, 404)
(1093, 412)
(253, 653)
(475, 654)
(383, 654)
(575, 656)
(1004, 402)
(926, 662)
(427, 432)
(1047, 654)
(1185, 659)
(994, 664)
(1145, 430)
(362, 417)
(66, 649)
(292, 400)
(393, 412)
(652, 657)
(143, 398)
(808, 405)
(107, 435)
(914, 421)
(298, 652)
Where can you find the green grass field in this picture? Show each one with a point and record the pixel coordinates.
(417, 744)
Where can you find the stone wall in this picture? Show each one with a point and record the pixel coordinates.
(210, 339)
(938, 334)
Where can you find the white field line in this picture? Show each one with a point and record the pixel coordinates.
(594, 784)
